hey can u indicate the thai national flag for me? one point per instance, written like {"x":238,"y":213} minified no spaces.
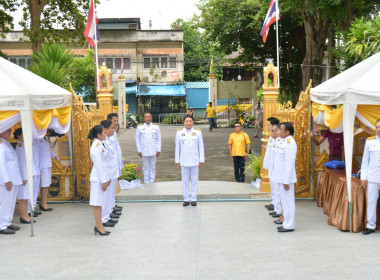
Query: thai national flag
{"x":92,"y":26}
{"x":272,"y":15}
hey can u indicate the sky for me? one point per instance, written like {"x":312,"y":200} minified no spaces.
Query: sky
{"x":161,"y":12}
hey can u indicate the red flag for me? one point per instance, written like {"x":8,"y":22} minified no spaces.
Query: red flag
{"x":91,"y":32}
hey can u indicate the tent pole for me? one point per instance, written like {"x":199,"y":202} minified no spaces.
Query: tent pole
{"x":27,"y":123}
{"x":312,"y":179}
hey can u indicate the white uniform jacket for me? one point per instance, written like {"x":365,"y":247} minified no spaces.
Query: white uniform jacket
{"x":285,"y":162}
{"x":189,"y":149}
{"x":268,"y":152}
{"x":113,"y":159}
{"x":370,"y":169}
{"x":100,"y":169}
{"x":115,"y":143}
{"x":148,"y":139}
{"x":275,"y":145}
{"x":20,"y":151}
{"x":36,"y":157}
{"x":9,"y":168}
{"x":45,"y":154}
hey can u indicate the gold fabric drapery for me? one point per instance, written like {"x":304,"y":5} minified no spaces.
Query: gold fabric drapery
{"x":333,"y":198}
{"x":42,"y":118}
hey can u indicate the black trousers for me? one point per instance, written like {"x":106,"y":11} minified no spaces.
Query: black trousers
{"x":239,"y":164}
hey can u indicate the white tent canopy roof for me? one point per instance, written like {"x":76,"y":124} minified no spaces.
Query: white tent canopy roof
{"x":359,"y":84}
{"x":22,"y":90}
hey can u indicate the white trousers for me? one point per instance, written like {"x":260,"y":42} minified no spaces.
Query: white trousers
{"x":190,"y":174}
{"x":288,"y":205}
{"x":275,"y":197}
{"x":7,"y":205}
{"x":149,"y":169}
{"x":372,"y":197}
{"x":36,"y":188}
{"x":45,"y":178}
{"x":109,"y":201}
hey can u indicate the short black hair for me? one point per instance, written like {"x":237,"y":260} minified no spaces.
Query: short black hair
{"x":210,"y":103}
{"x":106,"y":123}
{"x":188,"y":116}
{"x":111,"y":116}
{"x":273,"y":121}
{"x":237,"y":123}
{"x":288,"y":127}
{"x":17,"y":133}
{"x":377,"y":121}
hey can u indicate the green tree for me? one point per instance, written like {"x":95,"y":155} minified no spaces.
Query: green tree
{"x":236,"y":24}
{"x":363,"y":39}
{"x":198,"y":51}
{"x":47,"y":20}
{"x":53,"y":63}
{"x":6,"y":18}
{"x":82,"y":76}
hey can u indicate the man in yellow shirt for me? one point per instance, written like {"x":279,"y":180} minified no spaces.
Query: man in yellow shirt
{"x":239,"y":146}
{"x":210,"y":115}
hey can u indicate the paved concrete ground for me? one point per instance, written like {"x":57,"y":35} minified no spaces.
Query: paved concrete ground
{"x":218,"y":165}
{"x":215,"y":240}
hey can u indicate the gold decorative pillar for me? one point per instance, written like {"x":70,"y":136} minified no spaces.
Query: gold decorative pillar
{"x":270,"y":96}
{"x":105,"y":92}
{"x":213,"y":90}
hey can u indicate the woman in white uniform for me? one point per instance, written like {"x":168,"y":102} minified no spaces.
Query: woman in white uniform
{"x":10,"y":178}
{"x":45,"y":164}
{"x":108,"y":218}
{"x":23,"y":190}
{"x":99,"y":177}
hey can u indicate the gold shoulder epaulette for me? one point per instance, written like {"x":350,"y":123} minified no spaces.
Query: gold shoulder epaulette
{"x":97,"y":144}
{"x":288,"y":140}
{"x":19,"y":144}
{"x":1,"y":141}
{"x":155,"y":123}
{"x":140,"y":123}
{"x":372,"y":137}
{"x":196,"y":128}
{"x":179,"y":129}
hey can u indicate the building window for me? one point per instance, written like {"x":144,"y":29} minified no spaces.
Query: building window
{"x":132,"y":26}
{"x":109,"y":62}
{"x":117,"y":62}
{"x":13,"y":60}
{"x":146,"y":62}
{"x":156,"y":62}
{"x":127,"y":63}
{"x":100,"y":61}
{"x":21,"y":62}
{"x":164,"y":62}
{"x":173,"y":62}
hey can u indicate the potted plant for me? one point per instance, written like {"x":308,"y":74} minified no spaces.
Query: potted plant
{"x":254,"y":169}
{"x":130,"y":177}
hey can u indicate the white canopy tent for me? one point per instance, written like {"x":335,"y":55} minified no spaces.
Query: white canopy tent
{"x":36,"y":102}
{"x":359,"y":85}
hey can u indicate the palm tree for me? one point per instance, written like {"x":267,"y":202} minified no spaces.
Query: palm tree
{"x":53,"y":63}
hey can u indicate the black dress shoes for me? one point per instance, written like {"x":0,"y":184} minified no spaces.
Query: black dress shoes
{"x":12,"y":227}
{"x":185,"y":203}
{"x":276,"y":215}
{"x":268,"y":205}
{"x":117,"y":208}
{"x":277,"y":222}
{"x":7,"y":231}
{"x":23,"y":221}
{"x":193,"y":203}
{"x":108,"y":224}
{"x":116,"y":212}
{"x":45,"y":209}
{"x":113,"y":216}
{"x":37,"y":212}
{"x":272,"y":213}
{"x":271,"y":208}
{"x":113,"y":221}
{"x":368,"y":231}
{"x":282,"y":229}
{"x":35,"y":215}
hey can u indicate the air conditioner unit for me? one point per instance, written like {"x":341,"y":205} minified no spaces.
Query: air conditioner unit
{"x":146,"y":79}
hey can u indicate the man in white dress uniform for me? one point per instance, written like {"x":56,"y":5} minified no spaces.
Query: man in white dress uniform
{"x":284,"y":174}
{"x":370,"y":177}
{"x":189,"y":156}
{"x":148,"y":144}
{"x":10,"y":178}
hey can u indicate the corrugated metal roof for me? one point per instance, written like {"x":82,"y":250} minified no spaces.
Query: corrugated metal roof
{"x":197,"y":84}
{"x":171,"y":90}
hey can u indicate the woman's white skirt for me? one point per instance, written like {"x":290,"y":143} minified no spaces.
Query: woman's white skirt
{"x":23,"y":192}
{"x":46,"y":178}
{"x":97,"y":195}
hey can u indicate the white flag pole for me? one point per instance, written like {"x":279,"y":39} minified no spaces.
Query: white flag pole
{"x":96,"y":48}
{"x":278,"y":55}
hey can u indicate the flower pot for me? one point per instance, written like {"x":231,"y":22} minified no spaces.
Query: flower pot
{"x":126,"y":185}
